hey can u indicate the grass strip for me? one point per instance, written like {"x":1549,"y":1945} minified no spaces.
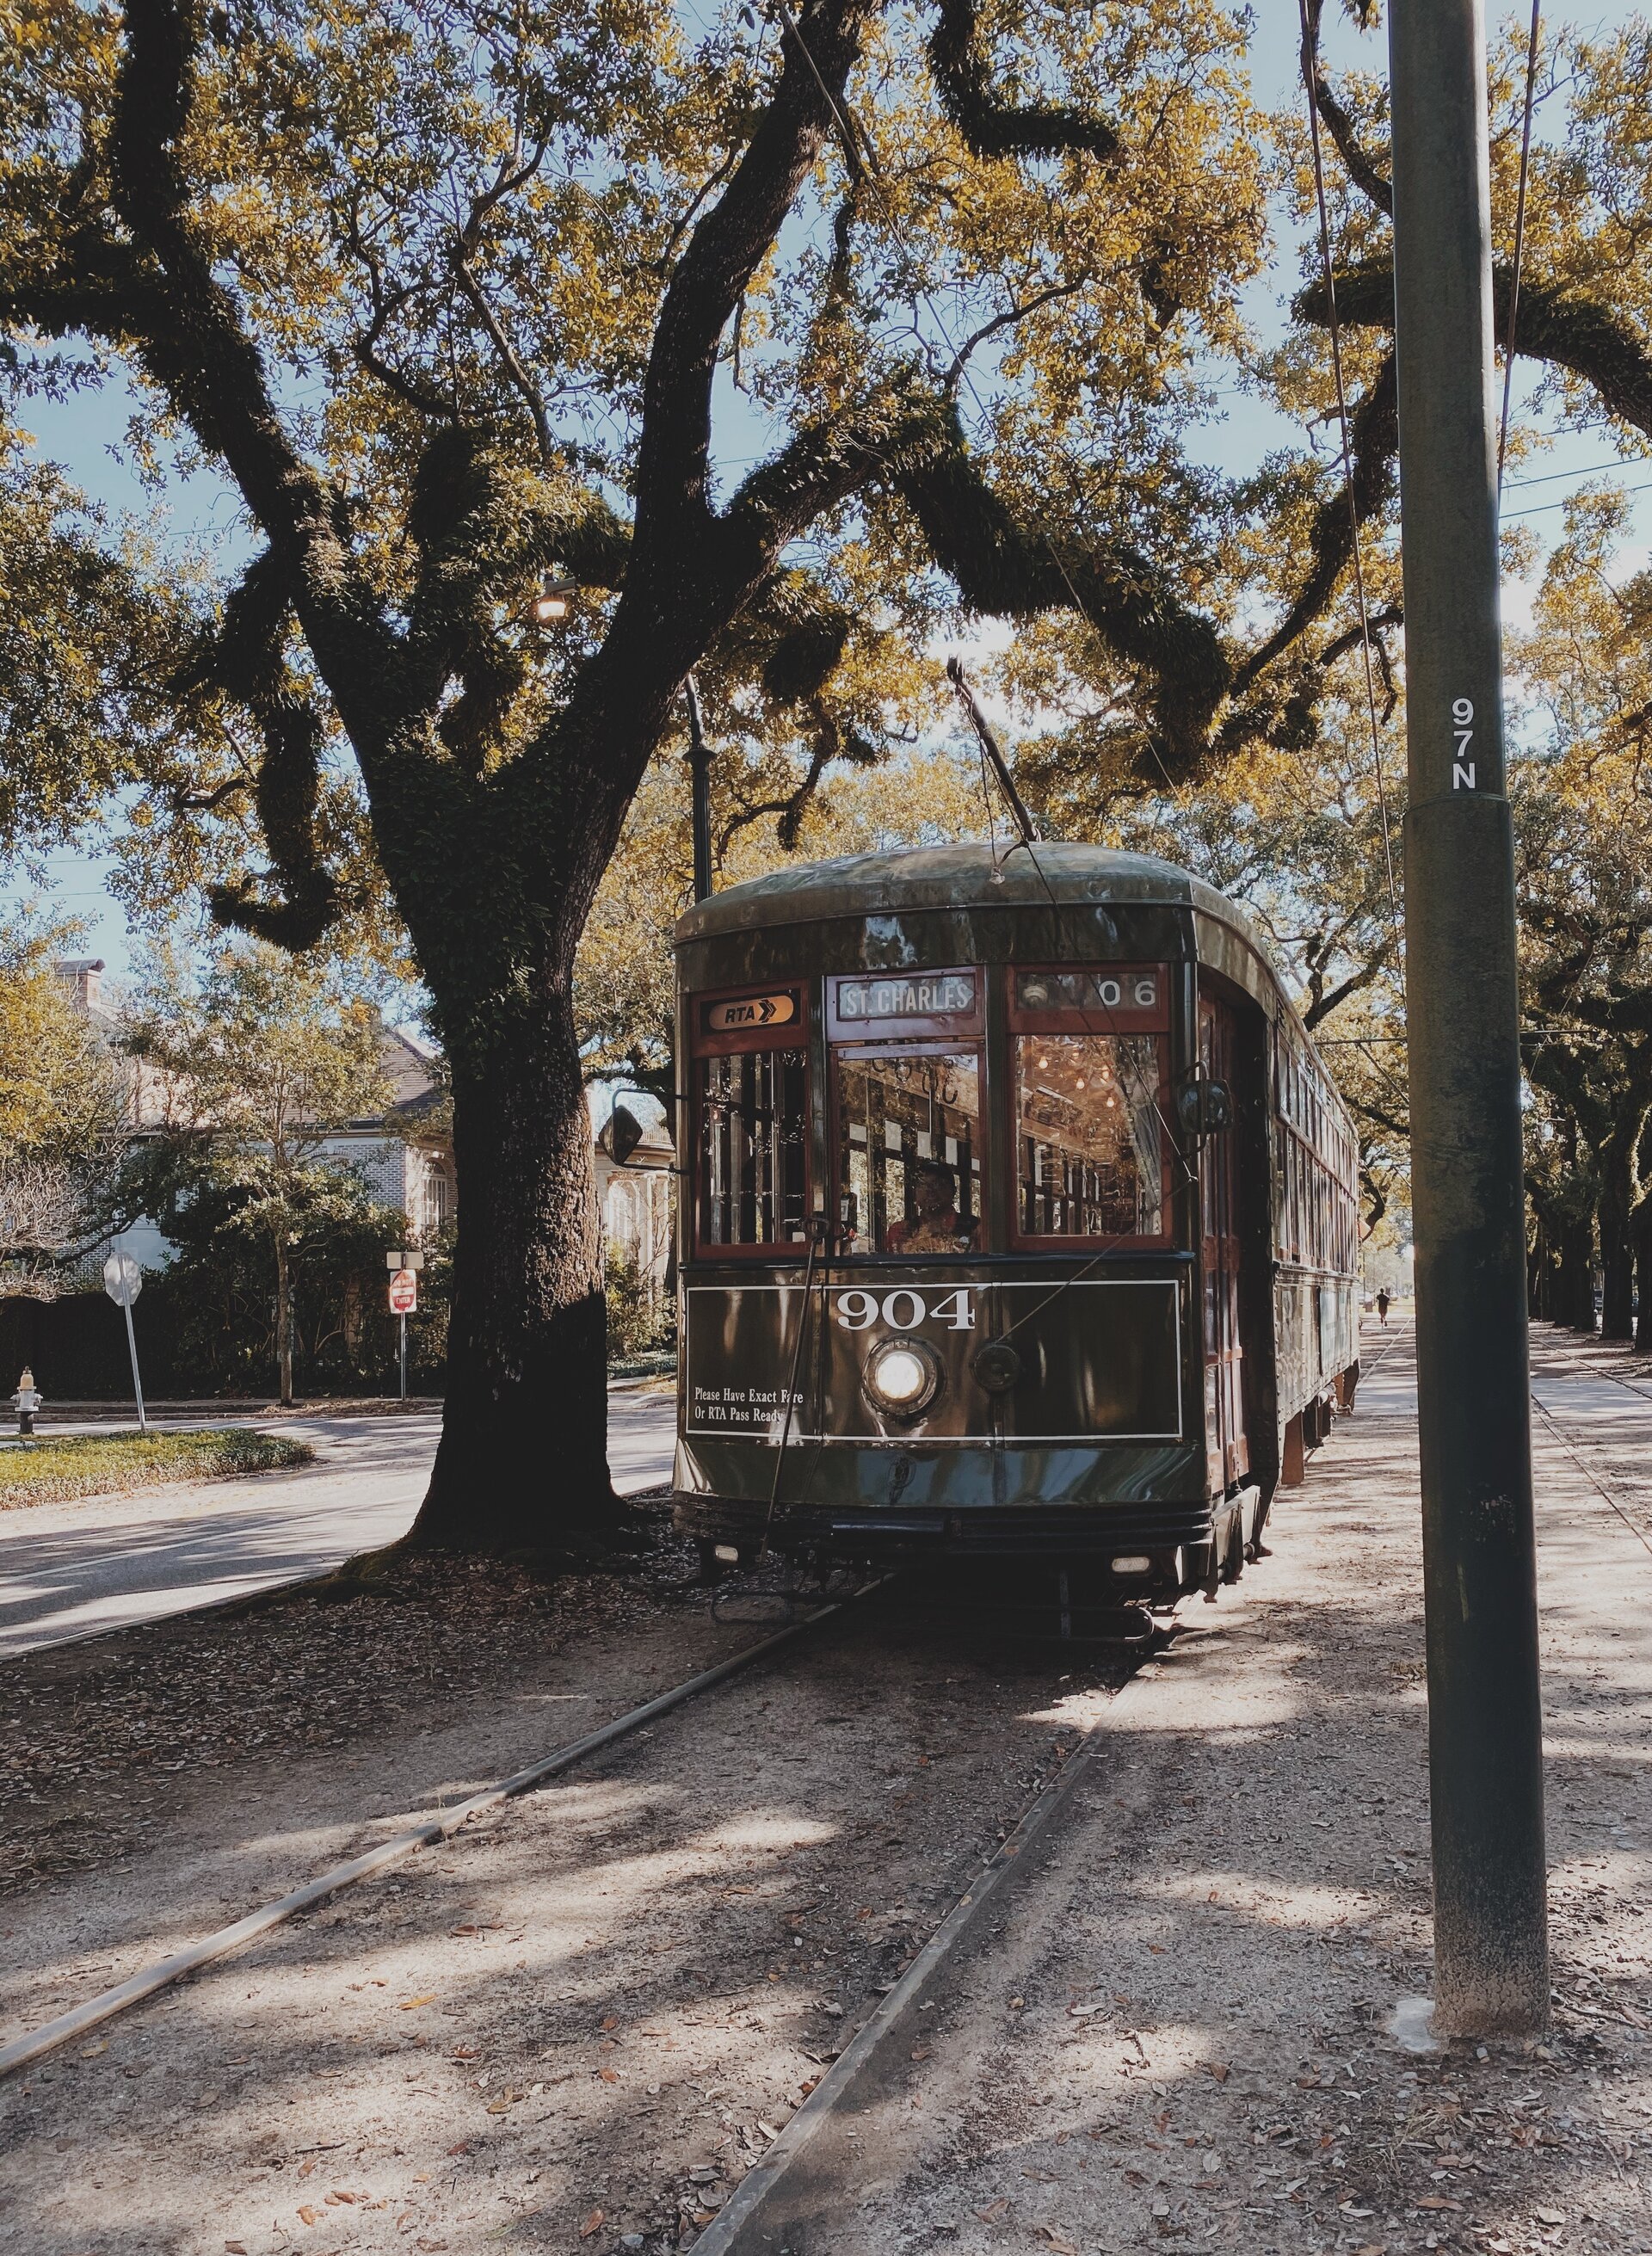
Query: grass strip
{"x":59,"y":1467}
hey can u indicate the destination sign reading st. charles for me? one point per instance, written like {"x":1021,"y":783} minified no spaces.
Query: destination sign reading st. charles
{"x":939,"y":995}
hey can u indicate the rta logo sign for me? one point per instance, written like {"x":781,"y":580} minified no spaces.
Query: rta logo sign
{"x":903,"y":1310}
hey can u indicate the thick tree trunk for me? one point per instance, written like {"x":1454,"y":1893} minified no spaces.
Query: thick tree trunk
{"x":1642,"y":1231}
{"x":522,"y":1467}
{"x":1576,"y":1302}
{"x":1617,"y":1314}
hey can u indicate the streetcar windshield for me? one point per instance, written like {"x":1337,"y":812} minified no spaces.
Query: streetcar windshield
{"x":1089,"y":1153}
{"x":753,"y":1148}
{"x":909,"y":1164}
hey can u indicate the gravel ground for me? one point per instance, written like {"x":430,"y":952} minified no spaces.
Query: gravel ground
{"x":573,"y":2025}
{"x":1180,"y":2037}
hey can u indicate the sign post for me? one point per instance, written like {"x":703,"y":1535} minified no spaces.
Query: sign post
{"x":123,"y":1281}
{"x":1491,"y":1951}
{"x":404,"y":1263}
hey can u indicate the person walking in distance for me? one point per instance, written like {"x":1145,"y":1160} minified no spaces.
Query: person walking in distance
{"x":1382,"y":1310}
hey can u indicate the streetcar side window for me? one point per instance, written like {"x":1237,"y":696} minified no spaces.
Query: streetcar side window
{"x":908,"y":1149}
{"x":1089,"y":1158}
{"x":753,"y":1148}
{"x":750,"y":1089}
{"x":1087,"y":1046}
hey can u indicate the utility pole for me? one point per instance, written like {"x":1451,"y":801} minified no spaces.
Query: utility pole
{"x":1463,"y":1019}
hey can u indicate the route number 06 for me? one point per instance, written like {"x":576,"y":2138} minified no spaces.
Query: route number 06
{"x":903,"y":1308}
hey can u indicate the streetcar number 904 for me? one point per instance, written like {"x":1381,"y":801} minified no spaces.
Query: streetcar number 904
{"x":902,"y":1309}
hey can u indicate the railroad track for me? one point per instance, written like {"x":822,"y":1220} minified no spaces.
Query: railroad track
{"x":870,"y":2041}
{"x":20,"y":2051}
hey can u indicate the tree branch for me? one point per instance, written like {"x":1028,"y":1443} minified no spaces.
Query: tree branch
{"x":201,"y":354}
{"x":1557,"y":324}
{"x":713,"y":274}
{"x":1018,"y":310}
{"x":1362,"y":168}
{"x":1011,"y":571}
{"x":998,"y":129}
{"x":1374,"y":440}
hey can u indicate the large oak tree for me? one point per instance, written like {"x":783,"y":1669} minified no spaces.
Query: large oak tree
{"x":446,"y":290}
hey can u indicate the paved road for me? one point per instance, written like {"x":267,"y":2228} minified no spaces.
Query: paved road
{"x":73,"y":1570}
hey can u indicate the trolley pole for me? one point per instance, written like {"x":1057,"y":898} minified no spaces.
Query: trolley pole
{"x":1462,"y":1008}
{"x":699,"y":774}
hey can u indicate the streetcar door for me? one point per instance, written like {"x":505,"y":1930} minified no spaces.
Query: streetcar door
{"x":1229,"y":1452}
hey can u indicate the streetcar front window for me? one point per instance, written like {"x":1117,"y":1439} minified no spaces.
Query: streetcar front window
{"x":753,"y":1148}
{"x":909,"y":1150}
{"x":1089,"y":1146}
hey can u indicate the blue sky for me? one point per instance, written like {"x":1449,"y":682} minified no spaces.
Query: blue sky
{"x":86,"y":434}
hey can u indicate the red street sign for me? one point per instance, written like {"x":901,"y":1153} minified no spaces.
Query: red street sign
{"x":403,"y":1292}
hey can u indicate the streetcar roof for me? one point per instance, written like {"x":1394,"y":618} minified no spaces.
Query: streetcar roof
{"x":958,"y":876}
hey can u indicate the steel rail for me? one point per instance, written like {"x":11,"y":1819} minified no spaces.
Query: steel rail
{"x":736,"y":2229}
{"x":19,"y":2051}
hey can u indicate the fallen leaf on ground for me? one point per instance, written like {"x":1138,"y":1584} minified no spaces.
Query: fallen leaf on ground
{"x":1549,"y":2216}
{"x":464,"y":2052}
{"x":593,"y":2224}
{"x":922,"y":2052}
{"x":609,"y":2075}
{"x":235,"y":2248}
{"x":90,"y":2052}
{"x":1218,"y":2069}
{"x":609,"y":2021}
{"x":1058,"y":2241}
{"x":993,"y":2210}
{"x":408,"y":2005}
{"x":1438,"y":2201}
{"x":307,"y":2215}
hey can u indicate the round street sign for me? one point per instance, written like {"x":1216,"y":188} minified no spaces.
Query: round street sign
{"x":123,"y":1279}
{"x":403,"y":1292}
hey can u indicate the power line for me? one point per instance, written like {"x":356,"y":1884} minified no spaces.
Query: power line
{"x":1541,"y":508}
{"x":1347,"y":469}
{"x":1520,"y":236}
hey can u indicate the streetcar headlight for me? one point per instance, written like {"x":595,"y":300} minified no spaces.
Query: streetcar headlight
{"x":901,"y":1376}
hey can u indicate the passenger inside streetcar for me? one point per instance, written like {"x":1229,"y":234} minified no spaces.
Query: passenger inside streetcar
{"x":937,"y":1227}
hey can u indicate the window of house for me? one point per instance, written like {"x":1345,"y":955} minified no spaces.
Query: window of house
{"x":751,"y":1092}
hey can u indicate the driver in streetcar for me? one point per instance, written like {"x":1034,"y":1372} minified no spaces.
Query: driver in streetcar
{"x":938,"y":1227}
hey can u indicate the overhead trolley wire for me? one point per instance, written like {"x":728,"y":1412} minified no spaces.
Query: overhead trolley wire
{"x":860,"y":157}
{"x":1308,"y":53}
{"x":1519,"y":238}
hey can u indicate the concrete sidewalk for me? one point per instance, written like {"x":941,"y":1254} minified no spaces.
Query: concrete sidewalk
{"x":104,"y":1562}
{"x":1177,"y":2034}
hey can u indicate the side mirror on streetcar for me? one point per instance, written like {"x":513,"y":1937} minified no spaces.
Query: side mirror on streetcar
{"x":620,"y":1134}
{"x":1205,"y":1108}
